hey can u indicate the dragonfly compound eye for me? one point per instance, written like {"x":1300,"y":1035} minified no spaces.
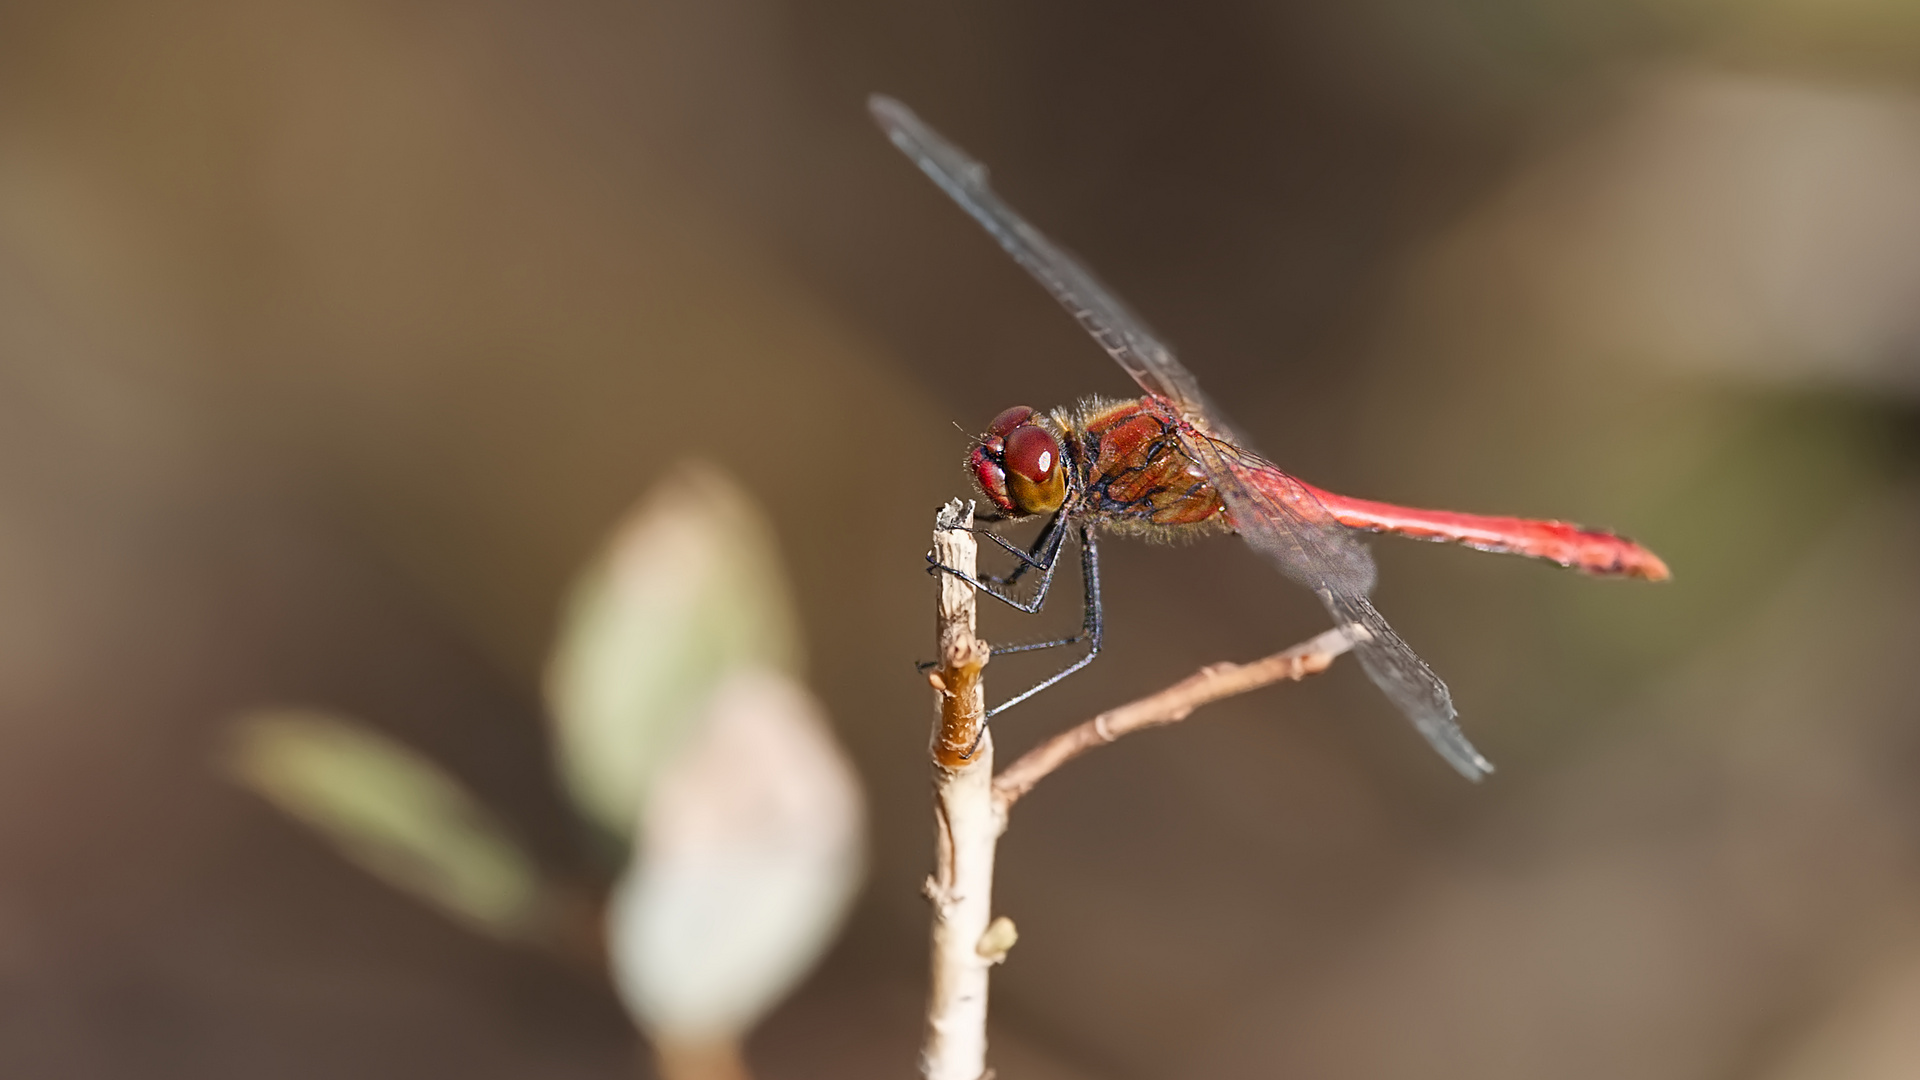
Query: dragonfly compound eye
{"x":1036,"y":477}
{"x":1007,"y":421}
{"x":1018,"y":464}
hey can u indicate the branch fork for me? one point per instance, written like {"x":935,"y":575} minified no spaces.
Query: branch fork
{"x":971,"y":804}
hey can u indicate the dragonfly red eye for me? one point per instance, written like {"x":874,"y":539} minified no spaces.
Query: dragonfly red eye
{"x":1032,"y":453}
{"x":1036,"y":477}
{"x":1009,"y":420}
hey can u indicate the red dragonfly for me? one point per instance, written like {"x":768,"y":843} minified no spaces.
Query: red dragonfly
{"x":1168,"y":462}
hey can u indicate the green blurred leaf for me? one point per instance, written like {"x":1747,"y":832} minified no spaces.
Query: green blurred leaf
{"x":750,"y":852}
{"x":392,"y":811}
{"x":688,"y":589}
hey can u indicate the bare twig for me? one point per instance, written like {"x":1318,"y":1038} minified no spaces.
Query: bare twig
{"x":962,"y":655}
{"x":1175,"y":703}
{"x":968,"y":823}
{"x":971,"y":804}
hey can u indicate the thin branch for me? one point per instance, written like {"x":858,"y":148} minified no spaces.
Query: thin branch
{"x":1175,"y":703}
{"x":971,"y":804}
{"x":963,"y":705}
{"x":967,"y":824}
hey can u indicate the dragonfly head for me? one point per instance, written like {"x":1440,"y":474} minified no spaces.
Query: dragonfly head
{"x":1019,"y":464}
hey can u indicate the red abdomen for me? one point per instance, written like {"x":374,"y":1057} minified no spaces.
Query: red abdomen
{"x":1594,"y":551}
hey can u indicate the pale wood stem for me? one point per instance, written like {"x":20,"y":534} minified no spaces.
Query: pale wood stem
{"x":971,"y":805}
{"x":967,"y":822}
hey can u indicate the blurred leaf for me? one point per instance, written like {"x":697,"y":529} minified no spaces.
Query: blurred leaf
{"x":392,"y":811}
{"x":688,"y":589}
{"x":750,"y":852}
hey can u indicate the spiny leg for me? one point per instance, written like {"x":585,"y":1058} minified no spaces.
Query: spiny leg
{"x":1092,"y":625}
{"x":1045,"y":549}
{"x":1038,"y":556}
{"x":1043,"y":556}
{"x":1046,"y":556}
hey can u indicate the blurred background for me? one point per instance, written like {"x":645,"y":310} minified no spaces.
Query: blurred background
{"x":335,"y":337}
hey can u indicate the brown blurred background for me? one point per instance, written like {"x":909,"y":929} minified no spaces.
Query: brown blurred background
{"x":333,"y":336}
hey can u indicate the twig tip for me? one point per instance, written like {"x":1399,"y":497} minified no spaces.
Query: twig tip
{"x":954,"y":515}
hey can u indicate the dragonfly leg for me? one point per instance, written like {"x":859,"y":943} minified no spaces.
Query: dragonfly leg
{"x":1036,"y":646}
{"x":1045,"y":555}
{"x":1092,"y":626}
{"x":1025,"y":646}
{"x":1039,"y":556}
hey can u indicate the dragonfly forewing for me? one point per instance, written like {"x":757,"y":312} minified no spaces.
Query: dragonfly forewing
{"x":1276,"y":514}
{"x":1280,"y":518}
{"x":1098,"y":309}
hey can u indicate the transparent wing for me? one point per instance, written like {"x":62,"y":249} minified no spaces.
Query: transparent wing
{"x":1281,"y":519}
{"x":1274,"y":513}
{"x":1118,"y":330}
